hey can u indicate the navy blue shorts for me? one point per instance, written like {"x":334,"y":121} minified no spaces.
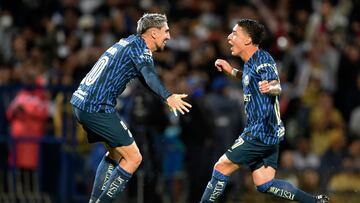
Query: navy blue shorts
{"x":104,"y":127}
{"x":253,"y":153}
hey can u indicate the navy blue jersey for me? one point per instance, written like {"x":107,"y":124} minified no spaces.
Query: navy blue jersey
{"x":262,"y":110}
{"x":118,"y":66}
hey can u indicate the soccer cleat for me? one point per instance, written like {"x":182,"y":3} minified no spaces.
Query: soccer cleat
{"x":322,"y":199}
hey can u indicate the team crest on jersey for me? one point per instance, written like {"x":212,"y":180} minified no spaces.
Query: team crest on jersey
{"x":246,"y":80}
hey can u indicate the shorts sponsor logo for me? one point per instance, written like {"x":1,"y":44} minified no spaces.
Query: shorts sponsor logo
{"x":130,"y":134}
{"x":123,"y":125}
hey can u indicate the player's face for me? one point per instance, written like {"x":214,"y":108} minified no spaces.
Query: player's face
{"x":163,"y":35}
{"x":238,"y":39}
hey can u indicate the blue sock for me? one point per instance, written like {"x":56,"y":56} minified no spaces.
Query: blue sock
{"x":285,"y":190}
{"x":103,"y":173}
{"x":215,"y":187}
{"x":116,"y":184}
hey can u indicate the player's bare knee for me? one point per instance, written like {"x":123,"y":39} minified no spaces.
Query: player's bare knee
{"x":135,"y":159}
{"x":138,"y":159}
{"x":219,"y":166}
{"x":263,"y":175}
{"x":222,"y":164}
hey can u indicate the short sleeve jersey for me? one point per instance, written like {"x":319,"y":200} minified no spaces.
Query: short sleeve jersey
{"x":262,"y":110}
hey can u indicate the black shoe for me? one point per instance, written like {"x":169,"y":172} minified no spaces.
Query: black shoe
{"x":322,"y":199}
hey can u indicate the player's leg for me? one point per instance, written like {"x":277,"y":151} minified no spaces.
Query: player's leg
{"x":103,"y":173}
{"x":104,"y":170}
{"x":220,"y":176}
{"x":130,"y":157}
{"x":227,"y":164}
{"x":130,"y":161}
{"x":123,"y":158}
{"x":264,"y":179}
{"x":265,"y":182}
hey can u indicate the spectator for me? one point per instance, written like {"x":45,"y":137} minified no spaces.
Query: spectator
{"x":332,"y":159}
{"x":303,"y":157}
{"x":28,"y":114}
{"x":354,"y":122}
{"x":325,"y":120}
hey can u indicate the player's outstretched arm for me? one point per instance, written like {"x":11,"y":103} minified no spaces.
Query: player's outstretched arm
{"x":224,"y":66}
{"x":273,"y":87}
{"x":176,"y":103}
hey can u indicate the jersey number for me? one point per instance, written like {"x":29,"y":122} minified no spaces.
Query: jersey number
{"x":99,"y":66}
{"x":96,"y":70}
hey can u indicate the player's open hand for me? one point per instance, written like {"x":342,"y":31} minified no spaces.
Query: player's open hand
{"x":223,"y":65}
{"x":176,"y":103}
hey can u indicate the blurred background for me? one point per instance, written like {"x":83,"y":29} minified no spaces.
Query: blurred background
{"x":47,"y":47}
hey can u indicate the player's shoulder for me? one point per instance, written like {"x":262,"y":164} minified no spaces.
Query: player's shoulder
{"x":264,"y":60}
{"x":265,"y":57}
{"x":134,"y":41}
{"x":137,"y":45}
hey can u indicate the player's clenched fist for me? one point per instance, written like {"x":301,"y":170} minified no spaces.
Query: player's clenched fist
{"x":264,"y":86}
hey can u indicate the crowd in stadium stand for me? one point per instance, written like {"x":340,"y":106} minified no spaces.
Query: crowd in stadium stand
{"x":50,"y":45}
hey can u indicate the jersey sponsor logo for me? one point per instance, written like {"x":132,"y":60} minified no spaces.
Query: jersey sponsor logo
{"x":247,"y":97}
{"x":246,"y":80}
